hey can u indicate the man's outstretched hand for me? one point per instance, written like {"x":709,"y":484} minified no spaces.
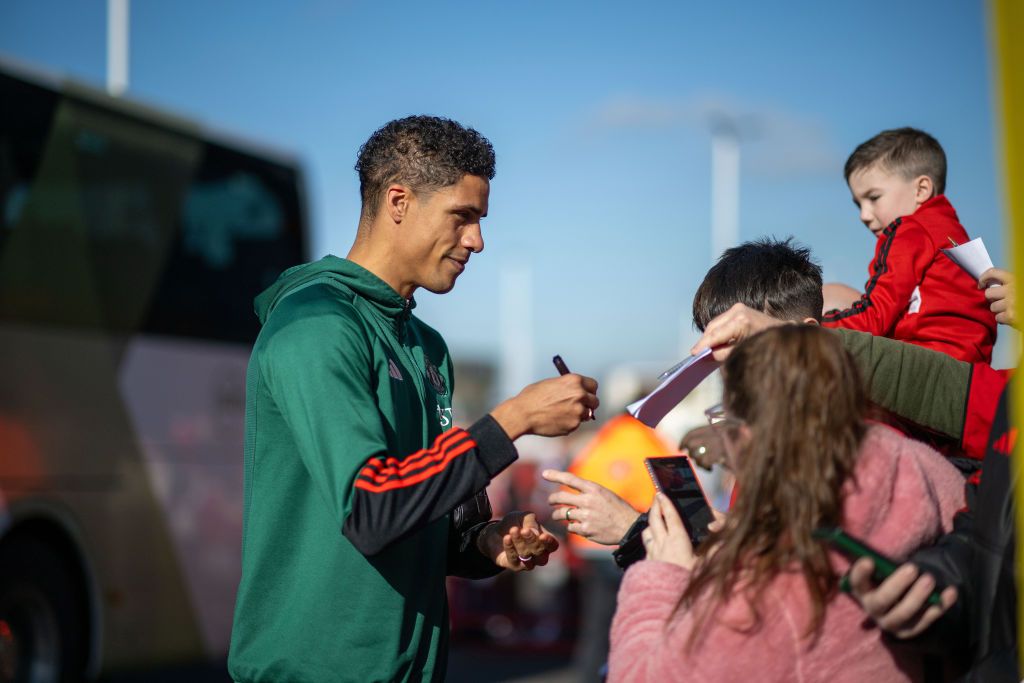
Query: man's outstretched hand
{"x":517,"y":542}
{"x":551,"y":407}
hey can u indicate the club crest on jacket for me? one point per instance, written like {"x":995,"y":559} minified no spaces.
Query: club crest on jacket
{"x":435,"y":379}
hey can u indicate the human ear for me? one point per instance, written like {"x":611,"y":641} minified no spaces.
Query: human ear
{"x":811,"y":321}
{"x":924,"y":189}
{"x":397,"y":199}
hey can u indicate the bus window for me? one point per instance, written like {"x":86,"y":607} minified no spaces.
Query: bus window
{"x":119,"y":225}
{"x":90,"y":242}
{"x":24,"y":130}
{"x":240,"y":227}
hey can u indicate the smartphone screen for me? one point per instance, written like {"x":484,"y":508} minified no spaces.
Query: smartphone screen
{"x":674,"y":476}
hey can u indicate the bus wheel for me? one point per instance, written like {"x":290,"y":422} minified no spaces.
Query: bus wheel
{"x":43,"y":625}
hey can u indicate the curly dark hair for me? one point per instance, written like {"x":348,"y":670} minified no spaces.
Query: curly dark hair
{"x":907,"y":151}
{"x":778,"y":277}
{"x":423,"y":152}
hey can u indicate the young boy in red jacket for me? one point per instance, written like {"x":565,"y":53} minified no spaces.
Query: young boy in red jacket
{"x":914,"y":293}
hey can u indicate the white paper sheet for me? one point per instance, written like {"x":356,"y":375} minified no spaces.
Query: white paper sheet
{"x":971,"y":256}
{"x":674,"y":388}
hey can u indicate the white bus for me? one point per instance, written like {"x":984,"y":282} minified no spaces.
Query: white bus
{"x":132,"y":243}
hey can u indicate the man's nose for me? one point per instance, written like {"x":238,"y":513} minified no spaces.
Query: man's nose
{"x":473,"y":238}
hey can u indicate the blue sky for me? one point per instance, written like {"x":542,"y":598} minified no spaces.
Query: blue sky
{"x":597,"y":112}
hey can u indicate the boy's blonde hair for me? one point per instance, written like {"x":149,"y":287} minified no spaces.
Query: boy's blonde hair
{"x":907,"y":151}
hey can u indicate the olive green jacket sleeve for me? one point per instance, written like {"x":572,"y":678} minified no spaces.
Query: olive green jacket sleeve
{"x":927,"y":387}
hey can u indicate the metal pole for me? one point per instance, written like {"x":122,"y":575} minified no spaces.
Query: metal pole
{"x":117,"y":47}
{"x":516,"y":325}
{"x":725,"y":189}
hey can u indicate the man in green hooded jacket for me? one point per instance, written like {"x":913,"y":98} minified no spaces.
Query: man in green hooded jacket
{"x":353,"y":465}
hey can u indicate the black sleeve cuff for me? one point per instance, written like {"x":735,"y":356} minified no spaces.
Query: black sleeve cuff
{"x":631,"y":547}
{"x":465,"y":560}
{"x":496,"y":450}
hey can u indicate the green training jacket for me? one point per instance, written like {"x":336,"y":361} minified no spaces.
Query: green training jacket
{"x":352,"y":468}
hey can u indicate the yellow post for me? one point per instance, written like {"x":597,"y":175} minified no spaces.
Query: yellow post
{"x":1007,"y":21}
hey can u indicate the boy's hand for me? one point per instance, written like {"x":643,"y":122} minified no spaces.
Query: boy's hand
{"x":1001,"y":291}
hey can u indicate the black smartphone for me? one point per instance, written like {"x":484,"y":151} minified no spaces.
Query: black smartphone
{"x":854,"y":549}
{"x":674,"y":476}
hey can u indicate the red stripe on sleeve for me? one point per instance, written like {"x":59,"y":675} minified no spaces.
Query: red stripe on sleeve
{"x":397,"y":483}
{"x":391,"y":472}
{"x":443,"y":441}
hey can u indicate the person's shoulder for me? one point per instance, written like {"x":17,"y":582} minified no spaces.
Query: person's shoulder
{"x":885,"y":444}
{"x":319,"y":314}
{"x":317,"y":303}
{"x":882,"y":453}
{"x":938,"y":220}
{"x":317,"y":296}
{"x":900,"y":490}
{"x":913,"y":230}
{"x":429,"y":335}
{"x":425,"y":329}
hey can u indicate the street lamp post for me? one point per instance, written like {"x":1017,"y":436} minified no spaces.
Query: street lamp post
{"x":117,"y":47}
{"x":725,"y":185}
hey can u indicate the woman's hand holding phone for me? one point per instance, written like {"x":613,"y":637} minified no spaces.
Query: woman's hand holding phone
{"x":665,"y":537}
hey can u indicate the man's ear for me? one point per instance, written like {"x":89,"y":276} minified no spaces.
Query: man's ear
{"x":811,"y":321}
{"x":924,"y":189}
{"x":397,"y":200}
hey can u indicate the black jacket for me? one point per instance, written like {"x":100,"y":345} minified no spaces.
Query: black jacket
{"x":980,"y":629}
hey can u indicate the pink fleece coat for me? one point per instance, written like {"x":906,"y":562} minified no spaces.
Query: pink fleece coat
{"x":903,"y":496}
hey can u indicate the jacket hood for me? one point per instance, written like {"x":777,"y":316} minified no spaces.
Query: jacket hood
{"x":338,"y":272}
{"x":903,"y":494}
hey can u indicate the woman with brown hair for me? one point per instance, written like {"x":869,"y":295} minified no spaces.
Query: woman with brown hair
{"x":759,"y":599}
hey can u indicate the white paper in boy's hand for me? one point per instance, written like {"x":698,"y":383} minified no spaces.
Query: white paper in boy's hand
{"x":971,"y":256}
{"x":680,"y":382}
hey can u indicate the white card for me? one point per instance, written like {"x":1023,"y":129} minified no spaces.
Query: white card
{"x":971,"y":256}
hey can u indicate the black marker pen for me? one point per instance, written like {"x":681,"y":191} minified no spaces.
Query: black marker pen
{"x":563,"y":369}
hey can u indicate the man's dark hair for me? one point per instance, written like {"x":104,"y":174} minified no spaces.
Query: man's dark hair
{"x":776,"y":277}
{"x":423,"y":152}
{"x":907,"y":151}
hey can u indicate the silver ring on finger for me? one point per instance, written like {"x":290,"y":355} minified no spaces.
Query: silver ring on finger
{"x":568,"y":511}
